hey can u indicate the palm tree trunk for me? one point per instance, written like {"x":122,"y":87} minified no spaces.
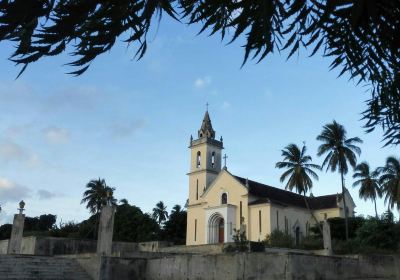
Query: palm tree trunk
{"x":312,"y":214}
{"x":344,"y":205}
{"x":376,"y":212}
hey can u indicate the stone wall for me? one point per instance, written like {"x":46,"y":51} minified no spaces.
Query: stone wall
{"x":49,"y":246}
{"x":266,"y":266}
{"x":194,"y":249}
{"x":3,"y":246}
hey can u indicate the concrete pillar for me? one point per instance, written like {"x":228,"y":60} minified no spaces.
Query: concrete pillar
{"x":326,"y":230}
{"x":105,"y":234}
{"x":14,"y":244}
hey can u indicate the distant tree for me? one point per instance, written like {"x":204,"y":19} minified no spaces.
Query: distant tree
{"x":68,"y":230}
{"x":299,"y":171}
{"x":368,"y":182}
{"x":123,"y":201}
{"x":340,"y":151}
{"x":132,"y":225}
{"x":46,"y":222}
{"x":5,"y":231}
{"x":359,"y":37}
{"x":160,"y":213}
{"x":98,"y":194}
{"x":175,"y":227}
{"x":390,"y":181}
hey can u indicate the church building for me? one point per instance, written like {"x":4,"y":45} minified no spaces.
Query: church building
{"x":220,"y":202}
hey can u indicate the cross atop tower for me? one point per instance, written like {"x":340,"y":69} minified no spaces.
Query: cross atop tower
{"x":207,"y":106}
{"x":225,"y":157}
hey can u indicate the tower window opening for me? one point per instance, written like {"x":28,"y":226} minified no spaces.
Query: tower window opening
{"x":213,"y":159}
{"x":224,"y":198}
{"x":198,"y":160}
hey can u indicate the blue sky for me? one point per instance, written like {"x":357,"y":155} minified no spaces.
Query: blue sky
{"x":130,"y":122}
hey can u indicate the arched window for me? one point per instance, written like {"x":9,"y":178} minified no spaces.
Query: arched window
{"x":198,"y":160}
{"x":224,"y":198}
{"x":213,"y":159}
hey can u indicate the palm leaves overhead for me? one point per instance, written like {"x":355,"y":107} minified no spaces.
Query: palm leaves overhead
{"x":368,"y":182}
{"x":160,"y":213}
{"x":98,"y":194}
{"x":300,"y":170}
{"x":361,"y":38}
{"x":339,"y":152}
{"x":390,"y":181}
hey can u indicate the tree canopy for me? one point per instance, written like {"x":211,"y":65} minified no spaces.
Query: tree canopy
{"x":361,"y":37}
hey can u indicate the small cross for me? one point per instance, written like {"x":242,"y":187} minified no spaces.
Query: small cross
{"x":207,"y":106}
{"x":225,"y":157}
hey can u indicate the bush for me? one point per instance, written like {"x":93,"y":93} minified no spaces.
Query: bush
{"x":341,"y":247}
{"x":311,"y":243}
{"x":380,"y":234}
{"x":240,"y":240}
{"x":278,"y":238}
{"x":257,"y":246}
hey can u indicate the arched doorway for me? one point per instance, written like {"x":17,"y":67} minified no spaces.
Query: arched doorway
{"x":221,"y":231}
{"x":216,"y":229}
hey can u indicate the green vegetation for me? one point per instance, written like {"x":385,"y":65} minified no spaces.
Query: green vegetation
{"x":278,"y":239}
{"x":340,"y":151}
{"x":299,"y":171}
{"x":368,"y":182}
{"x":98,"y":194}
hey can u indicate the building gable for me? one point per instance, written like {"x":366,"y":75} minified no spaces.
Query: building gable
{"x":224,"y":183}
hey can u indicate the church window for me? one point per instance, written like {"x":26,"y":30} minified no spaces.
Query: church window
{"x":259,"y":221}
{"x":241,"y":215}
{"x":286,"y":225}
{"x":307,"y":228}
{"x":198,"y":160}
{"x":195,"y":229}
{"x":277,"y":219}
{"x":213,"y":159}
{"x":197,"y":189}
{"x":224,"y":198}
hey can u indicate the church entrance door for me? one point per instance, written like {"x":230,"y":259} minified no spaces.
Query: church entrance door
{"x":221,"y":231}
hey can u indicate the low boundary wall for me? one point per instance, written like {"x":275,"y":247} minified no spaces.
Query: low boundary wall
{"x":289,"y":266}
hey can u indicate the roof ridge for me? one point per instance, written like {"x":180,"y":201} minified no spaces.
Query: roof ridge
{"x":284,"y":190}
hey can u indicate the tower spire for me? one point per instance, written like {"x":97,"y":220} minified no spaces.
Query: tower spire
{"x":206,"y":129}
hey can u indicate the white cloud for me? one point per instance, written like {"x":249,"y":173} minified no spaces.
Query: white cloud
{"x":74,"y":98}
{"x":202,"y":82}
{"x":13,"y":152}
{"x":12,"y":192}
{"x":226,"y":105}
{"x":45,"y":194}
{"x":56,"y":135}
{"x":126,"y":129}
{"x":17,"y":130}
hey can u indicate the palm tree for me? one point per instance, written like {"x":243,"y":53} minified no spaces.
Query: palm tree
{"x":340,"y":151}
{"x":390,"y":181}
{"x":368,"y":182}
{"x":176,"y":209}
{"x":299,"y":173}
{"x":123,"y":201}
{"x":98,"y":194}
{"x":160,"y":213}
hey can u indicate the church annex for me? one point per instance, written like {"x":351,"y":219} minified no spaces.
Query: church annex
{"x":220,"y":202}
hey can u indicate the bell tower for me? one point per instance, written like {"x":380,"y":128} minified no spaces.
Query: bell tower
{"x":205,"y":163}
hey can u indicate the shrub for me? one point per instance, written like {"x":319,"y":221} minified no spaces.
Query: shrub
{"x":240,"y":240}
{"x":311,"y":243}
{"x":278,"y":238}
